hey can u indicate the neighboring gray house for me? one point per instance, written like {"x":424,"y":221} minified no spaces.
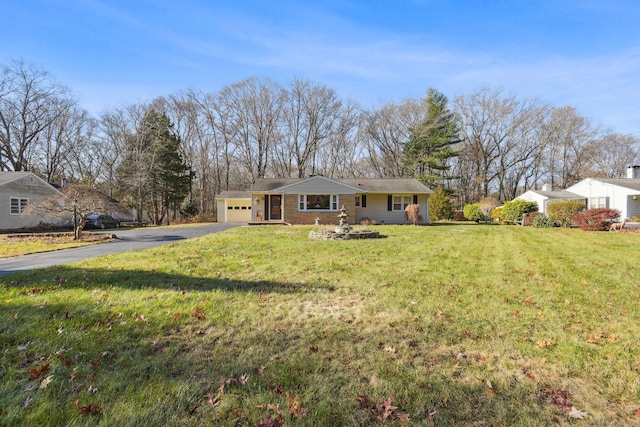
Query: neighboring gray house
{"x":17,"y":190}
{"x":302,"y":200}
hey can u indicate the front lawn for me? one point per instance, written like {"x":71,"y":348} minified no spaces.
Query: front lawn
{"x":23,"y":244}
{"x":260,"y":326}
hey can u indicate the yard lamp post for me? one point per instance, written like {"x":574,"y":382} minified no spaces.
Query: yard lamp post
{"x":75,"y":220}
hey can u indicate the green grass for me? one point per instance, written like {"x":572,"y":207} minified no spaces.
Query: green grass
{"x":429,"y":316}
{"x":16,"y":244}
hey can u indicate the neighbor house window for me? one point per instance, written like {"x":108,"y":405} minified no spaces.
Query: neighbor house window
{"x":598,"y":202}
{"x":401,"y":202}
{"x":18,"y":205}
{"x":357,"y":201}
{"x":318,"y":202}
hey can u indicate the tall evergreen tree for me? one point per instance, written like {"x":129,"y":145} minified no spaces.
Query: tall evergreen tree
{"x":172,"y":177}
{"x":432,"y":142}
{"x":154,"y":169}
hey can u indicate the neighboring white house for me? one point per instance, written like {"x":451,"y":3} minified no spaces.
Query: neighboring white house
{"x":622,"y":194}
{"x":545,"y":196}
{"x":17,"y":190}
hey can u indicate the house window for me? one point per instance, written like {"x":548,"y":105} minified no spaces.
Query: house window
{"x":18,"y":205}
{"x":401,"y":202}
{"x":598,"y":202}
{"x":357,"y":201}
{"x":318,"y":202}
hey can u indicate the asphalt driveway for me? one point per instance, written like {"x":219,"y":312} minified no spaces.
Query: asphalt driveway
{"x":128,"y":240}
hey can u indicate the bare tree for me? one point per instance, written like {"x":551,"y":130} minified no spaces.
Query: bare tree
{"x":568,"y":141}
{"x":615,"y":153}
{"x":255,"y":106}
{"x":80,"y":201}
{"x":339,"y":157}
{"x":385,"y":132}
{"x":498,"y":145}
{"x":30,"y":103}
{"x":310,"y":112}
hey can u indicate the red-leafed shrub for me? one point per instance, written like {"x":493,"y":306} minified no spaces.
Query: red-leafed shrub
{"x":599,"y":219}
{"x":459,"y":216}
{"x":528,"y":218}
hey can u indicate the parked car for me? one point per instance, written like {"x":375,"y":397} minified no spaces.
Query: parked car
{"x":101,"y":221}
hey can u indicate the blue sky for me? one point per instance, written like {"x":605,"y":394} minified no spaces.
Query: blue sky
{"x":582,"y":53}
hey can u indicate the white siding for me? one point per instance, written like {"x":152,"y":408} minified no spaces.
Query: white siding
{"x":530,"y":196}
{"x":617,"y":197}
{"x":377,"y":210}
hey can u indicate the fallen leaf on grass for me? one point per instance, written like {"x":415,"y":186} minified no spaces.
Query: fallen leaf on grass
{"x":46,"y":381}
{"x":546,"y":343}
{"x":382,"y":411}
{"x":295,"y":410}
{"x":88,"y":409}
{"x":577,"y":413}
{"x":37,"y":372}
{"x":96,"y":364}
{"x":198,"y":314}
{"x":269,"y":422}
{"x":490,"y":388}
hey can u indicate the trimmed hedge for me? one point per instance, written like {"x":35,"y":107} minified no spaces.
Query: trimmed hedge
{"x":563,"y":211}
{"x":515,"y":209}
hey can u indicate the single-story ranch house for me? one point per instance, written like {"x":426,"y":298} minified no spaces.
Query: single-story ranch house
{"x":303,"y":200}
{"x":622,"y":194}
{"x":17,"y":190}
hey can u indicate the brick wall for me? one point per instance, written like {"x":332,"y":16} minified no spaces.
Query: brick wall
{"x":293,"y":216}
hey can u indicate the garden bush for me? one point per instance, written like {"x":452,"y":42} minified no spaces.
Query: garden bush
{"x":440,"y":205}
{"x":543,"y":221}
{"x":527,"y":220}
{"x":562,"y":211}
{"x":599,"y":219}
{"x":472,"y":212}
{"x":515,"y":209}
{"x":486,"y":207}
{"x":459,"y":216}
{"x":496,"y":214}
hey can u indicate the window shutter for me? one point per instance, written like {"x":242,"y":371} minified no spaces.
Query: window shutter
{"x":363,"y":200}
{"x":415,"y":199}
{"x":389,"y":202}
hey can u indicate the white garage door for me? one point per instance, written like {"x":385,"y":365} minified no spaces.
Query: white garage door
{"x":238,"y":211}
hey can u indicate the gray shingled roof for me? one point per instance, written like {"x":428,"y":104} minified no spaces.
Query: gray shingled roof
{"x":228,"y":194}
{"x":558,"y":194}
{"x":269,"y":184}
{"x":386,"y":185}
{"x":371,"y":185}
{"x":630,"y":183}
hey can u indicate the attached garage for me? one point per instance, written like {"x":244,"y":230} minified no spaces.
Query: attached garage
{"x":234,"y":206}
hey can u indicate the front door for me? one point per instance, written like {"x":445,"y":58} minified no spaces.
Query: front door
{"x":275,"y":207}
